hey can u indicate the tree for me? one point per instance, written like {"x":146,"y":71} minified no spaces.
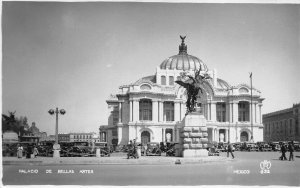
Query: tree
{"x":9,"y":122}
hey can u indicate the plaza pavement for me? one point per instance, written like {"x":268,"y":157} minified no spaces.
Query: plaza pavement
{"x":116,"y":158}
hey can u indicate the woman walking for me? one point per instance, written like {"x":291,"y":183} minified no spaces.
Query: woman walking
{"x":20,"y":151}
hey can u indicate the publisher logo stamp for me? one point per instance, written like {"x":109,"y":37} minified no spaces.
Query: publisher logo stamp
{"x":265,"y":167}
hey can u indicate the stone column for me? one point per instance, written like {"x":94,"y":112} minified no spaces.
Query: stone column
{"x":213,"y":112}
{"x":177,"y":111}
{"x":204,"y":109}
{"x":173,"y":135}
{"x":213,"y":134}
{"x":259,"y":113}
{"x":208,"y":111}
{"x":120,"y":112}
{"x":135,"y":110}
{"x":228,"y":112}
{"x":119,"y":135}
{"x":161,"y":111}
{"x":217,"y":135}
{"x":235,"y":112}
{"x":183,"y":110}
{"x":163,"y":134}
{"x":130,"y":110}
{"x":226,"y":135}
{"x":154,"y":110}
{"x":177,"y":135}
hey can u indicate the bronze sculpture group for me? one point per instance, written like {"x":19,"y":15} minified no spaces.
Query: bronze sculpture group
{"x":192,"y":85}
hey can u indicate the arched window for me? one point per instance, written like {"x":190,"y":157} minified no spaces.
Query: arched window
{"x":169,"y":111}
{"x":244,"y":136}
{"x":171,"y":80}
{"x":145,"y":137}
{"x":221,"y":112}
{"x":145,"y":109}
{"x":163,"y":80}
{"x":243,"y":90}
{"x":145,"y":87}
{"x":244,"y":111}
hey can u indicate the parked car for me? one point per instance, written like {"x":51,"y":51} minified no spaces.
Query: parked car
{"x":170,"y":151}
{"x":252,"y":147}
{"x":267,"y":147}
{"x":297,"y":146}
{"x":275,"y":146}
{"x":237,"y":146}
{"x":153,"y":149}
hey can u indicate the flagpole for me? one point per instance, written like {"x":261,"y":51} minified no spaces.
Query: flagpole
{"x":251,"y":108}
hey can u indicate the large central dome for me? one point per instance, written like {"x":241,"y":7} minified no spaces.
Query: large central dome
{"x":183,"y":61}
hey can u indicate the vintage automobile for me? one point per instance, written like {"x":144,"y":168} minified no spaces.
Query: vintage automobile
{"x":213,"y":152}
{"x":296,"y":146}
{"x":275,"y":146}
{"x":267,"y":147}
{"x":153,"y":149}
{"x":237,"y":146}
{"x":224,"y":146}
{"x":105,"y":151}
{"x":252,"y":147}
{"x":170,"y":149}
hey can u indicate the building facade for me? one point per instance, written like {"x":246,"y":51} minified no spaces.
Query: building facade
{"x":84,"y":137}
{"x":63,"y":138}
{"x":150,"y":109}
{"x":282,"y":125}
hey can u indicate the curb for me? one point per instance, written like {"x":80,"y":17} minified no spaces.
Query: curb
{"x":170,"y":161}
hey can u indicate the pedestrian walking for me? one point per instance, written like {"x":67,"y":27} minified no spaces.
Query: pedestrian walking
{"x":35,"y":151}
{"x":283,"y":150}
{"x":20,"y":151}
{"x":130,"y":148}
{"x":291,"y":150}
{"x":28,"y":152}
{"x":229,"y":150}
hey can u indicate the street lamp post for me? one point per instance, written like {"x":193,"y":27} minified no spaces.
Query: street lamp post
{"x":56,"y":146}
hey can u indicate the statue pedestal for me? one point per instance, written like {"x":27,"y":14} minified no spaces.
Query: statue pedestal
{"x":193,"y":136}
{"x":56,"y":153}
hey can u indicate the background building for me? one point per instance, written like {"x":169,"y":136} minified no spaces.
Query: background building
{"x":64,"y":138}
{"x":282,"y":125}
{"x":149,"y":109}
{"x":87,"y":137}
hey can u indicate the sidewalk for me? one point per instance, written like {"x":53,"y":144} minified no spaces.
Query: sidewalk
{"x":119,"y":159}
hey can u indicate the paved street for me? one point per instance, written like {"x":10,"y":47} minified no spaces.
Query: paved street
{"x":243,"y":170}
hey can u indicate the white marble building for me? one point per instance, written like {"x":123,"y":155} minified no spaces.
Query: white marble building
{"x":149,"y":109}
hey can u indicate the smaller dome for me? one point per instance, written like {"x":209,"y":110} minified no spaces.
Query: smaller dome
{"x":183,"y":61}
{"x":222,"y":84}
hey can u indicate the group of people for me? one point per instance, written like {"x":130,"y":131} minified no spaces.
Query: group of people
{"x":290,"y":149}
{"x":29,"y":151}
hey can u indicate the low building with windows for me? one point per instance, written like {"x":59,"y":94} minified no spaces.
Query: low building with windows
{"x":84,"y":137}
{"x":150,"y":109}
{"x":63,"y":137}
{"x":282,"y":125}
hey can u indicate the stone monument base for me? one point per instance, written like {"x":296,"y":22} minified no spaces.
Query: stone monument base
{"x":194,"y":153}
{"x":193,"y":136}
{"x":56,"y":153}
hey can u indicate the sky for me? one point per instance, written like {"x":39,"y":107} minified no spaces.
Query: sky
{"x":73,"y":55}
